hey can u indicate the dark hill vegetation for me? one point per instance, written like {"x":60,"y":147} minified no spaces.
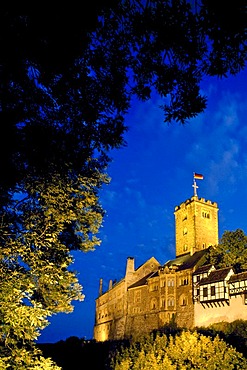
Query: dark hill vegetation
{"x":76,"y":353}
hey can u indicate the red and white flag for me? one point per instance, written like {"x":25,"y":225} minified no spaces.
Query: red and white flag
{"x":198,"y":176}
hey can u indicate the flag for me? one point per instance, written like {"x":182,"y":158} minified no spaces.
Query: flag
{"x":198,"y":176}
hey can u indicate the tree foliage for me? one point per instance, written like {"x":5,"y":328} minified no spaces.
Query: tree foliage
{"x":233,"y":333}
{"x":231,"y":251}
{"x":188,"y":350}
{"x":67,"y":78}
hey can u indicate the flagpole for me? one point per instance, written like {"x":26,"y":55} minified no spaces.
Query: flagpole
{"x":194,"y":185}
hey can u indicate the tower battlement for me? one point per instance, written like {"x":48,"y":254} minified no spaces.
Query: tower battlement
{"x":201,"y":200}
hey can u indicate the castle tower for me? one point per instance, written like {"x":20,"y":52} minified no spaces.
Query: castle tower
{"x":196,"y":225}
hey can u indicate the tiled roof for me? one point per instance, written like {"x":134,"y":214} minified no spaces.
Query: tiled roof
{"x":238,"y":277}
{"x":202,"y":269}
{"x":186,"y":261}
{"x":217,"y":275}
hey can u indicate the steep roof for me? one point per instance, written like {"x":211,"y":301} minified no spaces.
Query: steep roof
{"x":215,"y":276}
{"x":186,"y":261}
{"x":182,"y":263}
{"x":238,"y":277}
{"x":142,"y":281}
{"x":202,"y":269}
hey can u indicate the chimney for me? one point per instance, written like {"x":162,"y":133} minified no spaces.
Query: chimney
{"x":110,"y":284}
{"x":130,"y":267}
{"x":100,"y":287}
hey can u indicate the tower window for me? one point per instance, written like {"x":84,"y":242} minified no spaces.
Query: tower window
{"x":205,"y":214}
{"x":185,"y":247}
{"x":185,"y":231}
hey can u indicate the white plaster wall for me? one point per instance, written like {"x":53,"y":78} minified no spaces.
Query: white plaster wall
{"x":237,"y":310}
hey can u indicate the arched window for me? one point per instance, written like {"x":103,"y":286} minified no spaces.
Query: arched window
{"x":170,"y":282}
{"x":153,"y":304}
{"x":183,"y":300}
{"x":163,"y":303}
{"x":171,"y":302}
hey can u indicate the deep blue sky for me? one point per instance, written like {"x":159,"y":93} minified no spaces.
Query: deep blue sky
{"x":151,"y":176}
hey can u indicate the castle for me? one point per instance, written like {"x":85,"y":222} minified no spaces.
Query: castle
{"x":183,"y":290}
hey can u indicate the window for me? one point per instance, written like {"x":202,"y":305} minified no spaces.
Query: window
{"x":212,"y":290}
{"x":198,"y":278}
{"x":185,"y":247}
{"x":170,"y":302}
{"x":183,"y":300}
{"x":154,"y":287}
{"x":185,"y":231}
{"x":184,"y":281}
{"x":163,"y":303}
{"x":205,"y":214}
{"x":205,"y":292}
{"x":153,"y":304}
{"x":170,"y":282}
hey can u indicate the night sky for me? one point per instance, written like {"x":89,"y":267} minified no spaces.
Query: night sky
{"x":150,"y":177}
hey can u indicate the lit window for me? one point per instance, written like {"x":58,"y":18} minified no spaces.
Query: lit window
{"x":170,"y":282}
{"x":170,"y":302}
